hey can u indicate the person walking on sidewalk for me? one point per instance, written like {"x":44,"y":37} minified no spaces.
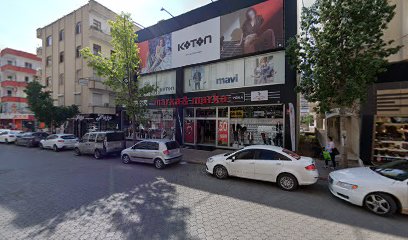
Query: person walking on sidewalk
{"x":331,"y":148}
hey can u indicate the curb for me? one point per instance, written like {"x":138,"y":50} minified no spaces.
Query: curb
{"x":194,"y":162}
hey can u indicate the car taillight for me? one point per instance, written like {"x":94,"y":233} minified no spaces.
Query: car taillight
{"x":311,"y":167}
{"x":166,"y":152}
{"x":61,"y":141}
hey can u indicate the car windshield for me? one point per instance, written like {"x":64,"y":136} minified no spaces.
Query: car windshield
{"x":68,"y":137}
{"x":172,"y":145}
{"x":397,"y":170}
{"x":292,"y":154}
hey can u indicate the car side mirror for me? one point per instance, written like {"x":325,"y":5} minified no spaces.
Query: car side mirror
{"x":232,"y":158}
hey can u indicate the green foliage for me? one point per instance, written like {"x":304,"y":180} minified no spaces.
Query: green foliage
{"x":340,"y":50}
{"x":307,"y":119}
{"x":41,"y":104}
{"x":122,"y":68}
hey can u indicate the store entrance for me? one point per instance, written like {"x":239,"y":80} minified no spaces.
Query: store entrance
{"x":206,"y":132}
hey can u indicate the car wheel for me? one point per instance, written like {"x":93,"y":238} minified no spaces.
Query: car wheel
{"x":97,"y":154}
{"x":55,"y":148}
{"x":380,"y":204}
{"x":287,"y":182}
{"x":220,"y":172}
{"x":77,"y":152}
{"x":158,"y":163}
{"x":6,"y":141}
{"x":125,"y":159}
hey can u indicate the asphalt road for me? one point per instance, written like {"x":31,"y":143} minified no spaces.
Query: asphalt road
{"x":48,"y":195}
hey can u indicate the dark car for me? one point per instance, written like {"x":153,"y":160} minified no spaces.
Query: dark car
{"x":31,"y":139}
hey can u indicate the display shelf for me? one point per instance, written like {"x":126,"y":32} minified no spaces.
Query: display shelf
{"x":385,"y":156}
{"x":392,"y":149}
{"x":390,"y":141}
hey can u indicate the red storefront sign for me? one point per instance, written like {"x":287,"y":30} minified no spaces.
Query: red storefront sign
{"x":223,"y":132}
{"x":184,"y":101}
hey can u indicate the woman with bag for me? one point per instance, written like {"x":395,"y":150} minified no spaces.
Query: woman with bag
{"x":332,"y":150}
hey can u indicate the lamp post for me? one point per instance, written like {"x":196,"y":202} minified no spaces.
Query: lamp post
{"x":163,"y":9}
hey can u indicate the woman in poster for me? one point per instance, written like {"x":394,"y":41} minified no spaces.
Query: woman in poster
{"x":158,"y":57}
{"x":264,"y":72}
{"x":253,"y":38}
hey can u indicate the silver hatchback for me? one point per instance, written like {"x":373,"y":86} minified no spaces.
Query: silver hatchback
{"x":157,"y":152}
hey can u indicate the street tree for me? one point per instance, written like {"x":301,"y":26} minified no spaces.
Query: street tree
{"x":340,"y":52}
{"x":41,"y":104}
{"x":122,"y":70}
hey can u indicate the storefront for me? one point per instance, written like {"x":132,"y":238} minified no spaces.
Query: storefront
{"x":220,"y":93}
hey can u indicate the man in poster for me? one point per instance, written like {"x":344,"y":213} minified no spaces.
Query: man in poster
{"x":197,"y":79}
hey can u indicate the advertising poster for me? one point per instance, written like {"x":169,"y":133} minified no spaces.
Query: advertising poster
{"x":253,"y":29}
{"x":265,"y":69}
{"x":156,"y":54}
{"x":195,"y":79}
{"x":197,"y":43}
{"x":189,"y":131}
{"x":222,"y":132}
{"x":166,"y":83}
{"x":148,"y":80}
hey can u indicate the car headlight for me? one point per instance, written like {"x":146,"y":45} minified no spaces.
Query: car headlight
{"x":347,"y":185}
{"x":210,"y":160}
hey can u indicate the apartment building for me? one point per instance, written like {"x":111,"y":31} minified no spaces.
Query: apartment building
{"x":65,"y":73}
{"x":17,"y":69}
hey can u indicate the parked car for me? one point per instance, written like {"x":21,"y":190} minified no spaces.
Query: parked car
{"x":9,"y":136}
{"x":266,"y":163}
{"x":4,"y":130}
{"x":31,"y":139}
{"x":382,"y":189}
{"x":158,"y":152}
{"x":101,"y":144}
{"x":58,"y":142}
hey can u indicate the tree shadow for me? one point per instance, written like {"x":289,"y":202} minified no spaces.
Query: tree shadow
{"x":148,"y":211}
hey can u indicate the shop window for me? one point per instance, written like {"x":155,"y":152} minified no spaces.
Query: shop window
{"x":189,"y":112}
{"x":223,"y":112}
{"x":205,"y":112}
{"x":189,"y":131}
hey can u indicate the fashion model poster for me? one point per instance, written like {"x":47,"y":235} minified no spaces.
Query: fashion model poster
{"x":156,"y":54}
{"x":196,"y":79}
{"x":253,"y":29}
{"x":265,"y":69}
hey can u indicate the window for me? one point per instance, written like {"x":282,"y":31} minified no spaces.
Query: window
{"x":100,"y":137}
{"x":61,"y":57}
{"x":48,"y":61}
{"x":9,"y":62}
{"x":245,"y":154}
{"x":141,"y":145}
{"x":396,"y":170}
{"x":97,"y":99}
{"x":47,"y":81}
{"x":51,"y":137}
{"x":27,"y":79}
{"x":85,"y":138}
{"x":97,"y":49}
{"x":61,"y":100}
{"x":152,"y":146}
{"x":77,"y":99}
{"x":92,"y":137}
{"x":78,"y":28}
{"x":61,"y":35}
{"x":271,"y":155}
{"x":78,"y":52}
{"x":48,"y":41}
{"x":97,"y":24}
{"x":61,"y":79}
{"x":9,"y":93}
{"x":68,"y":137}
{"x":28,"y":65}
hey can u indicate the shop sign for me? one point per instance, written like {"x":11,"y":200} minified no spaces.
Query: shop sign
{"x":238,"y":97}
{"x":184,"y":101}
{"x":223,"y":132}
{"x":237,"y":113}
{"x":257,"y":96}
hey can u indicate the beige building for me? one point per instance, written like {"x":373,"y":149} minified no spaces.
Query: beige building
{"x":64,"y":71}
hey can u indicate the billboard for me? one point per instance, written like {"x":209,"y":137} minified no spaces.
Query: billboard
{"x":164,"y":81}
{"x":265,"y":69}
{"x":253,"y":29}
{"x":250,"y":30}
{"x":196,"y":44}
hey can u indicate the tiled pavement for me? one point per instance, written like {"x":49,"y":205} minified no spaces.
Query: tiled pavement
{"x":47,"y":195}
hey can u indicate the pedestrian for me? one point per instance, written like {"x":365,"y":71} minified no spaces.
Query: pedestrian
{"x":331,"y":148}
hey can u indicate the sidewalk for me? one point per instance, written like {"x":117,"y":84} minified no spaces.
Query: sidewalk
{"x":200,"y":157}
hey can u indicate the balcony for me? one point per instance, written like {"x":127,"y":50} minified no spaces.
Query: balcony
{"x":18,"y":69}
{"x":11,"y":83}
{"x":13,"y":99}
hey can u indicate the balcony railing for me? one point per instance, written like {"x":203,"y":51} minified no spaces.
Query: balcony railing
{"x":13,"y":99}
{"x":18,"y":69}
{"x":11,"y":83}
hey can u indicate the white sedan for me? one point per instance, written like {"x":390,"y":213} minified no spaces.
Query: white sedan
{"x":9,"y":136}
{"x":58,"y":142}
{"x":382,"y":189}
{"x":266,"y":163}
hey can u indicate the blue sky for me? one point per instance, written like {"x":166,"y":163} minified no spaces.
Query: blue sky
{"x":20,"y":18}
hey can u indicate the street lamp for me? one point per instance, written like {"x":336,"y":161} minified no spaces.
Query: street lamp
{"x":162,"y":9}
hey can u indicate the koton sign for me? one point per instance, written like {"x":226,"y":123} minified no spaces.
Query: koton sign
{"x":196,"y":44}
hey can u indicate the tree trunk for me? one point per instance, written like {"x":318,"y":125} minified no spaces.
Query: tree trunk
{"x":343,"y":139}
{"x":134,"y":129}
